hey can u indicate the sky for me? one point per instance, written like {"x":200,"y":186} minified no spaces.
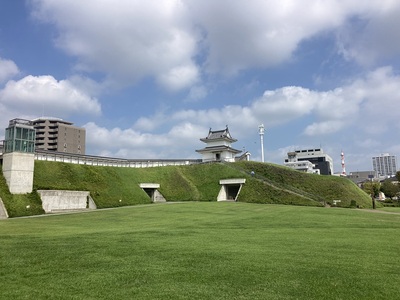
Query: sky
{"x":148,"y":79}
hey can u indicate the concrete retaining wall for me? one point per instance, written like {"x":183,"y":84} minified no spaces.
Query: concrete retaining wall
{"x":56,"y":200}
{"x":158,"y":197}
{"x":3,"y":211}
{"x":18,"y":171}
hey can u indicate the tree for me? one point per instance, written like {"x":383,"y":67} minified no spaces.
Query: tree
{"x":371,"y":188}
{"x":389,"y":188}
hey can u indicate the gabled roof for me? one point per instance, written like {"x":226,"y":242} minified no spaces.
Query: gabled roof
{"x":219,"y":135}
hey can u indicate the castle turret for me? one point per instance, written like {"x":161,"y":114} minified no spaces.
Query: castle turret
{"x":218,"y":146}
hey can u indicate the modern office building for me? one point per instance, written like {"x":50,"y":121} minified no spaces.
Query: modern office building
{"x":55,"y":134}
{"x":385,"y":164}
{"x":316,"y":161}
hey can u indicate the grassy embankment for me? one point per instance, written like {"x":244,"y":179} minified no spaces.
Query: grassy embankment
{"x":202,"y":251}
{"x":322,"y":189}
{"x":113,"y":186}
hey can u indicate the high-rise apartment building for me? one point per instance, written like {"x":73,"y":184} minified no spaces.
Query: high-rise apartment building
{"x":55,"y":134}
{"x":385,"y":164}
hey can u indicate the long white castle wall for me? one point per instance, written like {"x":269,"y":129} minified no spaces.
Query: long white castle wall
{"x":57,"y":200}
{"x":18,"y":171}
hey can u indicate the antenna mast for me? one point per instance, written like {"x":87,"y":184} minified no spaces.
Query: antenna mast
{"x":261,"y":132}
{"x":343,"y":165}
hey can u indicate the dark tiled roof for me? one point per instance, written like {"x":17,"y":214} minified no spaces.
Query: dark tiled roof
{"x":219,"y":134}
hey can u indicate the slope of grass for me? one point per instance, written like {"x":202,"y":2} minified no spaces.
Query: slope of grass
{"x":110,"y":184}
{"x":320,"y":188}
{"x":206,"y":177}
{"x":202,"y":251}
{"x":258,"y":191}
{"x":114,"y":186}
{"x":107,"y":185}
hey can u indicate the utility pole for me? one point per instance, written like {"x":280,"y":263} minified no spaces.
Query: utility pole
{"x":261,"y":132}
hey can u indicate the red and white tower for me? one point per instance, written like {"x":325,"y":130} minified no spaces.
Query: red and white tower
{"x":343,"y":165}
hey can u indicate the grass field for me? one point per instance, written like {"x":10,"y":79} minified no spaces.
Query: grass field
{"x":202,"y":250}
{"x":391,"y":209}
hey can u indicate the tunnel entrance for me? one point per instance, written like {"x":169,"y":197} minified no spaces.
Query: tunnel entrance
{"x":151,"y":190}
{"x":230,"y":189}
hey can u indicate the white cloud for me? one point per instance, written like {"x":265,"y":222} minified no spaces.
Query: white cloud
{"x":180,"y":77}
{"x":369,"y":104}
{"x":8,"y":69}
{"x":179,"y":43}
{"x":172,"y":40}
{"x":381,"y":91}
{"x":261,"y":33}
{"x":196,"y":93}
{"x":284,"y":105}
{"x":38,"y":95}
{"x":365,"y":108}
{"x":323,"y":128}
{"x":373,"y":36}
{"x":128,"y":41}
{"x":368,"y":143}
{"x":178,"y":142}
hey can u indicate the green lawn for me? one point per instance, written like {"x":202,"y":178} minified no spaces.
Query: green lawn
{"x":202,"y":250}
{"x":395,"y":209}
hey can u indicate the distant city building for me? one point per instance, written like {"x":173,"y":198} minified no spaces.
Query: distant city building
{"x":311,"y":161}
{"x":359,"y":177}
{"x":55,"y":134}
{"x":385,"y":164}
{"x":218,"y":146}
{"x":303,"y":166}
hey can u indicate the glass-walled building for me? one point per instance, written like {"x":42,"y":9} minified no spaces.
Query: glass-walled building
{"x":19,"y":137}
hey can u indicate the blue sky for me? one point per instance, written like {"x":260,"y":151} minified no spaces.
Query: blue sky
{"x":153,"y":76}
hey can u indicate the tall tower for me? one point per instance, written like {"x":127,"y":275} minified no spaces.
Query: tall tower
{"x":343,"y":165}
{"x":261,"y":132}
